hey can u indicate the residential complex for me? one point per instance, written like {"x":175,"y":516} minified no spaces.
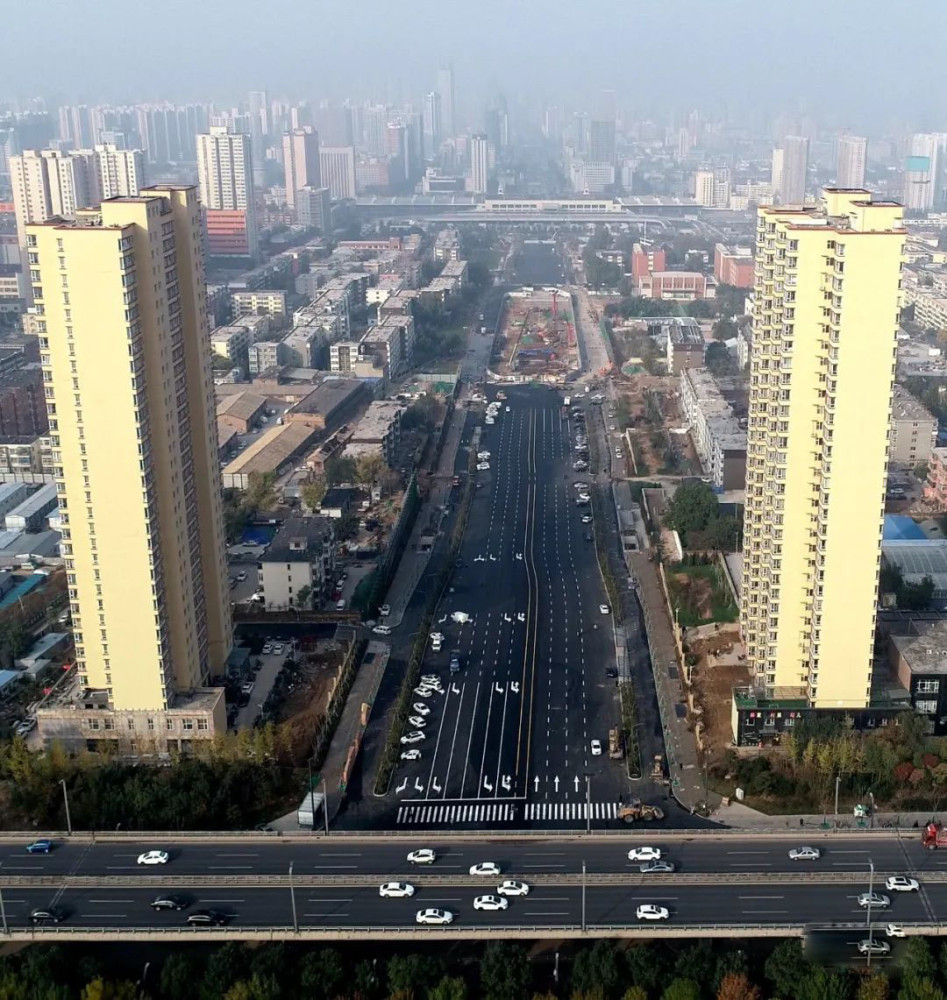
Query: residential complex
{"x":300,"y":162}
{"x":225,"y":173}
{"x":826,"y":306}
{"x":851,"y":159}
{"x":126,"y":362}
{"x":913,"y":429}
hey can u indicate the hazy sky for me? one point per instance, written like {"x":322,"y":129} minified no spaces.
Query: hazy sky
{"x":843,"y":56}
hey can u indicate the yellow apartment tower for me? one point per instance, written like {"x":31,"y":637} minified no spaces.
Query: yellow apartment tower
{"x":825,"y":323}
{"x":126,"y":363}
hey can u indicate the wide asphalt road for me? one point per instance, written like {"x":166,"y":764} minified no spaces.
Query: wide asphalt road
{"x":508,"y":743}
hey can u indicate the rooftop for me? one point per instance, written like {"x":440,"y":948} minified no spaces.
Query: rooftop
{"x":241,"y":406}
{"x":379,"y":417}
{"x":926,"y":650}
{"x":299,"y":539}
{"x":905,"y":407}
{"x":329,"y":396}
{"x":271,"y":449}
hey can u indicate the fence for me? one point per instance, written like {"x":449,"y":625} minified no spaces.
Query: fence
{"x":400,"y":534}
{"x":337,"y":702}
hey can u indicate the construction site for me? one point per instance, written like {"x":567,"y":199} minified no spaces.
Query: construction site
{"x":537,"y":336}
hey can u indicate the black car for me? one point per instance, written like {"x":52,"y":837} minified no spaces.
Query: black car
{"x":169,"y":901}
{"x":47,"y":915}
{"x":207,"y":918}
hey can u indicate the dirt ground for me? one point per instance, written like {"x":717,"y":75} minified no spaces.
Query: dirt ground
{"x":304,"y":707}
{"x":528,"y":324}
{"x":698,"y":592}
{"x":650,"y":441}
{"x":712,"y":683}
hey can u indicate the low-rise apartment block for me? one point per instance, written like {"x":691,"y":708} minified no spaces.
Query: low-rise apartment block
{"x":266,"y":354}
{"x":719,"y":440}
{"x":913,"y":429}
{"x":260,"y":302}
{"x":391,"y":344}
{"x":378,"y":432}
{"x":300,"y":559}
{"x":447,"y":245}
{"x":936,"y":489}
{"x":685,"y":347}
{"x":733,"y":266}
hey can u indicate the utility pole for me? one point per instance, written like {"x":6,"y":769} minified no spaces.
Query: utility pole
{"x":583,"y":897}
{"x":65,"y":798}
{"x":325,"y":804}
{"x":838,"y":779}
{"x":871,"y":889}
{"x":588,"y":804}
{"x":292,"y":897}
{"x":3,"y":915}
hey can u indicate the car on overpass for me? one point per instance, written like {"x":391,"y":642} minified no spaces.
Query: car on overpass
{"x":644,"y":854}
{"x":169,"y":901}
{"x":154,"y":858}
{"x":412,"y":754}
{"x":39,"y":847}
{"x":901,"y":883}
{"x":207,"y":918}
{"x":396,"y":890}
{"x":657,"y":868}
{"x":47,"y":915}
{"x":876,"y":900}
{"x":511,"y":887}
{"x":422,"y":856}
{"x":434,"y":917}
{"x":491,"y":903}
{"x":485,"y":868}
{"x":648,"y":911}
{"x":872,"y":946}
{"x":805,"y":854}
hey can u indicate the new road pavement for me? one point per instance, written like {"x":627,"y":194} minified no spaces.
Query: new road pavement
{"x":508,"y":742}
{"x":733,"y":884}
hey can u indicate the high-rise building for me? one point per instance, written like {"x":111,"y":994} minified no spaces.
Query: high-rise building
{"x":790,"y":170}
{"x":825,"y":324}
{"x":337,"y":169}
{"x":121,"y":171}
{"x":397,"y":148}
{"x":479,"y":163}
{"x":314,"y":208}
{"x":712,"y":187}
{"x":552,"y":123}
{"x":852,"y":156}
{"x":445,"y":88}
{"x":375,"y":118}
{"x":300,"y":161}
{"x":602,"y":141}
{"x":925,"y":171}
{"x":433,"y":126}
{"x":224,"y":170}
{"x":126,"y":361}
{"x":259,"y":131}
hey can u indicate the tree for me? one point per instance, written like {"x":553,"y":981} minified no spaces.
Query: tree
{"x":635,"y":993}
{"x":821,"y":984}
{"x":368,"y":468}
{"x":646,"y":967}
{"x":226,"y":966}
{"x":681,"y":989}
{"x":920,"y":989}
{"x":692,"y":508}
{"x":412,"y":972}
{"x":596,"y":969}
{"x":921,"y":470}
{"x":103,"y":989}
{"x":874,"y":987}
{"x":736,"y":986}
{"x":304,"y":597}
{"x":785,"y":966}
{"x":724,"y":329}
{"x":504,"y":971}
{"x":718,"y":360}
{"x":918,"y":961}
{"x":339,"y":470}
{"x":261,"y":492}
{"x":180,"y":972}
{"x":312,"y":493}
{"x":731,"y":962}
{"x":449,"y":988}
{"x":695,"y":963}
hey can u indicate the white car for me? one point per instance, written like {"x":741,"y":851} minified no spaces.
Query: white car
{"x":267,"y":649}
{"x":511,"y":887}
{"x":507,"y":409}
{"x":434,"y":916}
{"x":581,"y":486}
{"x":483,"y":466}
{"x":604,"y":608}
{"x":385,"y":610}
{"x":430,"y":678}
{"x":617,"y":454}
{"x":901,"y":883}
{"x":422,"y":856}
{"x":644,"y":854}
{"x":485,"y":868}
{"x":417,"y":721}
{"x":894,"y":931}
{"x":491,"y":903}
{"x":423,"y":692}
{"x":396,"y":890}
{"x":876,"y":900}
{"x":421,"y":708}
{"x":586,"y":518}
{"x":278,"y":649}
{"x":872,"y":946}
{"x":382,"y":630}
{"x":416,"y":736}
{"x":484,"y":456}
{"x":412,"y":754}
{"x":596,"y":747}
{"x":805,"y":854}
{"x":153,"y":858}
{"x":648,"y":911}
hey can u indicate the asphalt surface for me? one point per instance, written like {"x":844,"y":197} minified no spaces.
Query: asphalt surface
{"x":509,"y":741}
{"x":720,"y":880}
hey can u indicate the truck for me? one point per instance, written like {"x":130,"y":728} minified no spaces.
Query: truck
{"x":636,"y":811}
{"x":566,"y":400}
{"x":614,"y":745}
{"x":309,"y":809}
{"x":934,"y":836}
{"x":657,"y":768}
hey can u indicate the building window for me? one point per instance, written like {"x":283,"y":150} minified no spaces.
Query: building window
{"x":169,"y":723}
{"x":94,"y":724}
{"x":928,"y":687}
{"x":187,"y":724}
{"x":131,"y":724}
{"x":151,"y":725}
{"x":202,"y":724}
{"x":926,"y":707}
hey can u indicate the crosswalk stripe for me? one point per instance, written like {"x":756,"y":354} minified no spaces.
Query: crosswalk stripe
{"x":504,"y":811}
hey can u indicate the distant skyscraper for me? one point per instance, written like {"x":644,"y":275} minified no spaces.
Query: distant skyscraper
{"x":924,"y":172}
{"x":850,"y":161}
{"x":712,"y":187}
{"x":300,"y":162}
{"x":433,"y":126}
{"x":337,"y":167}
{"x":314,"y":208}
{"x":790,"y":170}
{"x":259,"y":130}
{"x":817,"y":445}
{"x":126,"y":364}
{"x":479,"y":163}
{"x":224,"y":170}
{"x":602,"y":141}
{"x":552,"y":123}
{"x":445,"y":88}
{"x":121,"y":171}
{"x":375,"y":118}
{"x":397,"y":147}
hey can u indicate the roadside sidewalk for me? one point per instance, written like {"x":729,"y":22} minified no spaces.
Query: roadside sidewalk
{"x":743,"y":817}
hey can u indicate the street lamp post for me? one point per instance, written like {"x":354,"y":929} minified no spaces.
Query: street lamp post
{"x":838,"y":779}
{"x":3,"y":915}
{"x":292,"y":897}
{"x":325,"y":804}
{"x":65,"y":798}
{"x":583,"y":897}
{"x":871,"y":889}
{"x":588,"y":804}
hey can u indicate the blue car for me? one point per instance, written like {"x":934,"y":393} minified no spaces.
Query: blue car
{"x":39,"y":847}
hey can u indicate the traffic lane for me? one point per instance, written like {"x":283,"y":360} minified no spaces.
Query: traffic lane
{"x":545,"y":905}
